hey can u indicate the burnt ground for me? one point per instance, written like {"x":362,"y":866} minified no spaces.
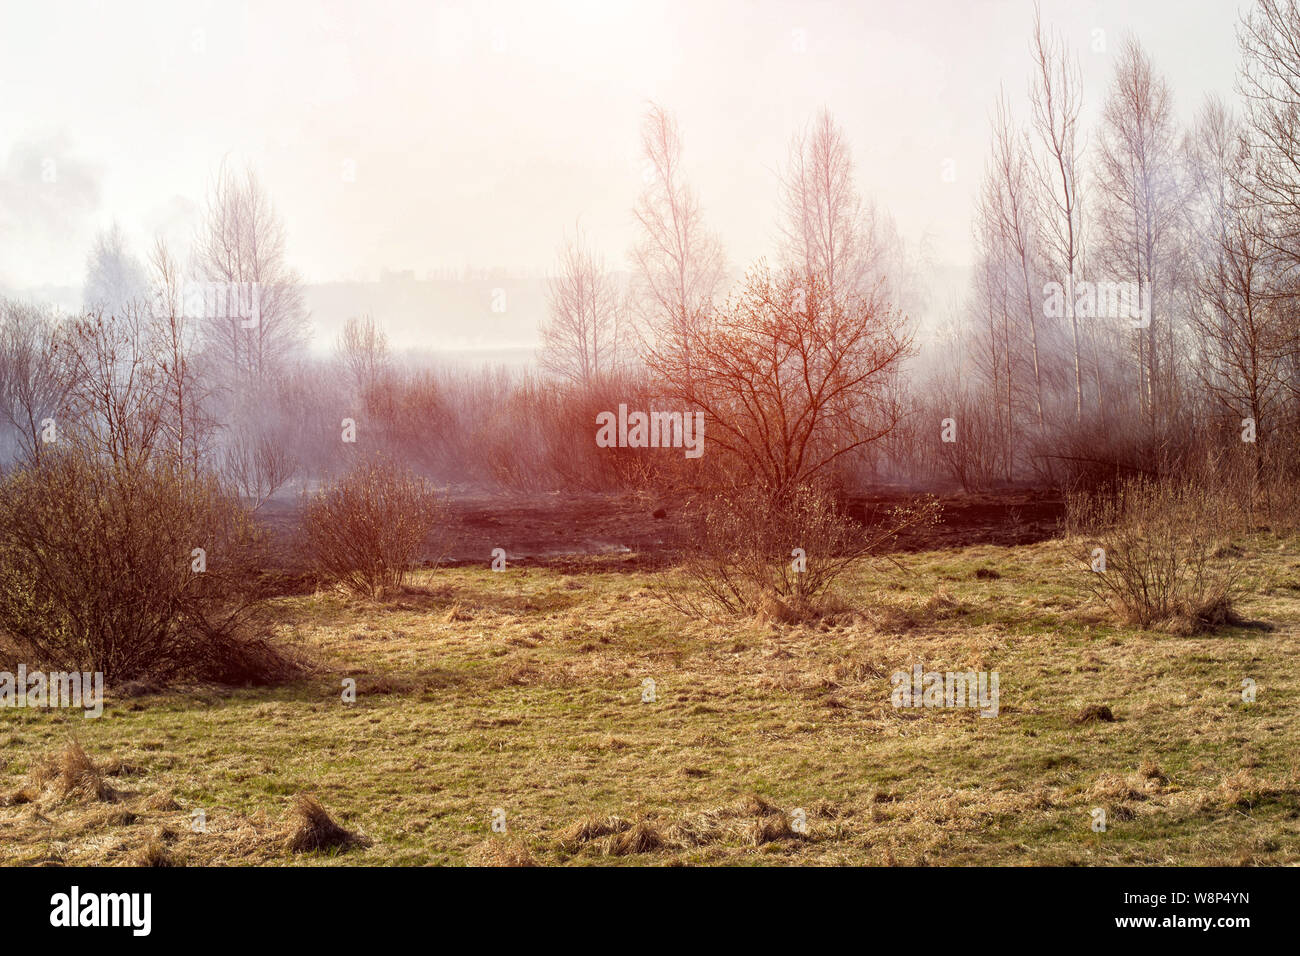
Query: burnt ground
{"x":622,"y":529}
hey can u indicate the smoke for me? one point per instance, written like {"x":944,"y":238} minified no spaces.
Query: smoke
{"x":48,"y":201}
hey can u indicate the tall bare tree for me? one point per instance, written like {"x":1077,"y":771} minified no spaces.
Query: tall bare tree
{"x":1270,"y":84}
{"x":242,"y":249}
{"x":363,"y":349}
{"x":583,"y":337}
{"x":187,"y":420}
{"x":1142,"y":199}
{"x":1241,"y":328}
{"x":828,"y":230}
{"x":678,"y":262}
{"x":1056,"y":99}
{"x":1012,"y":203}
{"x":114,"y":277}
{"x":991,"y":335}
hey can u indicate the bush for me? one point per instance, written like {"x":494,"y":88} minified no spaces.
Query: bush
{"x":97,"y":572}
{"x":744,"y":561}
{"x":1164,"y":564}
{"x":366,"y":529}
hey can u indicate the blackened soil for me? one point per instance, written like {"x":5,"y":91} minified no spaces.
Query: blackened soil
{"x":636,"y":531}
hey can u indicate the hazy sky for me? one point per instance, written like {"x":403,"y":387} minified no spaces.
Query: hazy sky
{"x":479,"y":132}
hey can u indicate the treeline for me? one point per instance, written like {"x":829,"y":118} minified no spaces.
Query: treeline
{"x":1134,"y":307}
{"x":201,"y":359}
{"x":1133,"y":312}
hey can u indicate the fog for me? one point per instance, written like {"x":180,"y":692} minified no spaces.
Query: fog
{"x":449,"y":136}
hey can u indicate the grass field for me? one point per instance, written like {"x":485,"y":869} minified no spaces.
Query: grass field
{"x":522,"y":691}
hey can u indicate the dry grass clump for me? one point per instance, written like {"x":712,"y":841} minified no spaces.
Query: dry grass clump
{"x":641,"y":837}
{"x":71,"y":773}
{"x":592,"y":828}
{"x":156,"y":853}
{"x":771,"y":828}
{"x":162,"y":802}
{"x":901,"y":618}
{"x":616,"y":836}
{"x":750,"y":821}
{"x":1094,"y":713}
{"x":753,"y":805}
{"x":1244,"y":790}
{"x":500,"y":852}
{"x":1152,"y":771}
{"x":1120,"y":789}
{"x":316,"y":829}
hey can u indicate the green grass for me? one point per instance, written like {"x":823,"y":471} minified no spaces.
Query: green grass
{"x":522,"y":691}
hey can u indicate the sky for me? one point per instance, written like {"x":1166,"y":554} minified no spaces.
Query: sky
{"x":445,"y":135}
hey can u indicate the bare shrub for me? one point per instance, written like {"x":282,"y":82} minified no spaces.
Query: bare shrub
{"x":98,"y":572}
{"x":975,"y":457}
{"x":744,"y":561}
{"x":257,"y":465}
{"x":366,"y":529}
{"x":792,"y":375}
{"x":541,"y":435}
{"x":1163,"y":561}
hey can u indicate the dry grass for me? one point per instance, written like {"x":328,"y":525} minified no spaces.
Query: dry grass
{"x":529,"y":698}
{"x":592,"y":828}
{"x":315,"y":829}
{"x":501,"y":852}
{"x":72,"y":774}
{"x":155,"y":853}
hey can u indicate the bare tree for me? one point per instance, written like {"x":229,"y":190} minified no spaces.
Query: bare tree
{"x":789,"y":378}
{"x":363,"y":350}
{"x":678,"y":262}
{"x":1240,"y":327}
{"x":991,"y":338}
{"x":115,"y":279}
{"x":33,"y":376}
{"x":1012,"y":204}
{"x":241,"y":248}
{"x":1056,"y":99}
{"x":582,"y":338}
{"x":1142,"y":198}
{"x":1270,"y":84}
{"x":828,"y":230}
{"x":187,"y":422}
{"x":117,"y":396}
